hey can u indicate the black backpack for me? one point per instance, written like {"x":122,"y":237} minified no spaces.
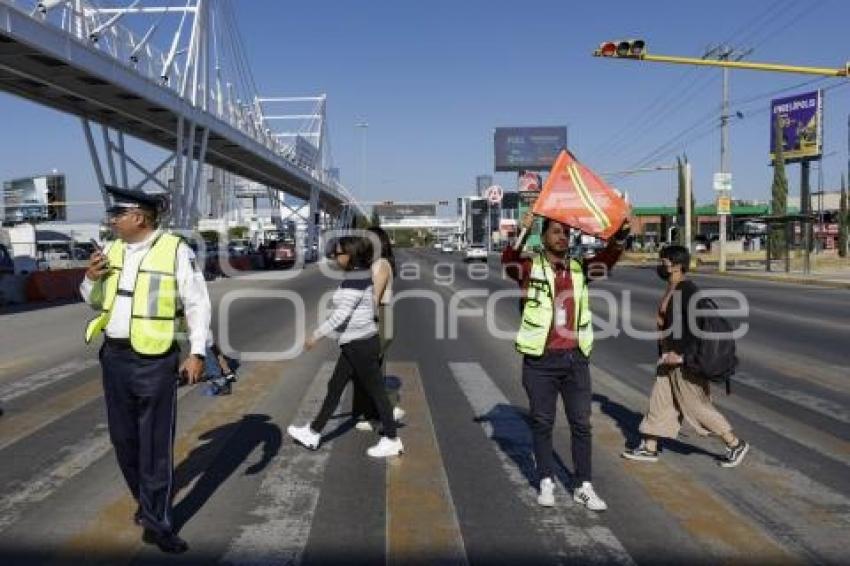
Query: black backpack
{"x":715,"y":357}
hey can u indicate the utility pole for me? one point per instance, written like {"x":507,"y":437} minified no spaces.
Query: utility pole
{"x":725,"y":53}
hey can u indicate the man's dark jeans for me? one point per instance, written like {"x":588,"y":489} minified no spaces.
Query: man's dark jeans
{"x":565,"y":373}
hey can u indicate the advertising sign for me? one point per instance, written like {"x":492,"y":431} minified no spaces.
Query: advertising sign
{"x":724,"y":206}
{"x":528,"y":149}
{"x":495,"y":194}
{"x":800,"y":118}
{"x":397,"y":211}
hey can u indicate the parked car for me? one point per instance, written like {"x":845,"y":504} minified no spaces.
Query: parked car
{"x":437,"y":245}
{"x":447,"y":248}
{"x":279,"y":255}
{"x":475,"y":252}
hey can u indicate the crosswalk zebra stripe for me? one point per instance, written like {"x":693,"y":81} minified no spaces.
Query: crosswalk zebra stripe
{"x":503,"y":423}
{"x":36,"y":381}
{"x":289,"y":494}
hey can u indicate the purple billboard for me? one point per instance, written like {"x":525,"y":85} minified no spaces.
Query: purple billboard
{"x":799,"y":118}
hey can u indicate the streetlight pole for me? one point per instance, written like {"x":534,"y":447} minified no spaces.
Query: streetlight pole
{"x":362,"y":125}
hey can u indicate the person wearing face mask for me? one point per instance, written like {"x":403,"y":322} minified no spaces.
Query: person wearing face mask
{"x":679,"y":392}
{"x":556,"y":338}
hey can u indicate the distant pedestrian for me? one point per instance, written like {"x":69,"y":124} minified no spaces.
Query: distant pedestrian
{"x":556,"y":338}
{"x":680,"y":392}
{"x":353,"y":320}
{"x":383,"y":272}
{"x":140,"y":285}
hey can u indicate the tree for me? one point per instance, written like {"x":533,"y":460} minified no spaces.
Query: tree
{"x":779,"y":193}
{"x":843,"y":220}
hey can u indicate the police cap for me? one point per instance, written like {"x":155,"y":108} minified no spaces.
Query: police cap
{"x":123,"y":199}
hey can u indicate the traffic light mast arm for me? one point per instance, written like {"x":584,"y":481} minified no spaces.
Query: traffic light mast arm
{"x":636,"y":49}
{"x":752,"y":66}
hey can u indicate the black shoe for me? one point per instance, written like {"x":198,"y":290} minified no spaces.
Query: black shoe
{"x":169,"y":543}
{"x":137,"y":516}
{"x":735,"y":455}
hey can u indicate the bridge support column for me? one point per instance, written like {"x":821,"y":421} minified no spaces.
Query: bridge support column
{"x":312,"y":224}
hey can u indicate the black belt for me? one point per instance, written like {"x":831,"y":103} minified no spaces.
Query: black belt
{"x":123,"y":293}
{"x":119,"y":342}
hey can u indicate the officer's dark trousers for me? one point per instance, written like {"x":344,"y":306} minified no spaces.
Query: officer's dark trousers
{"x":565,"y":373}
{"x":358,"y":361}
{"x":140,"y":394}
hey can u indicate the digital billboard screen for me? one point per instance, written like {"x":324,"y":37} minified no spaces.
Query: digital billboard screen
{"x":528,"y":149}
{"x":799,"y":118}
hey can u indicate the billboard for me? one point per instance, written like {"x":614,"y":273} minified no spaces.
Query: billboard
{"x":528,"y":149}
{"x":32,"y":199}
{"x":398,"y":211}
{"x":800,"y":118}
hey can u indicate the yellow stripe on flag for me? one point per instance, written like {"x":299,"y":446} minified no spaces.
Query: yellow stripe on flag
{"x":587,"y":199}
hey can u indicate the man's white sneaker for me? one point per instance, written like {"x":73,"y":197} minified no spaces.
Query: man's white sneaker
{"x":585,"y":495}
{"x":305,"y":435}
{"x":546,"y":498}
{"x":398,"y":413}
{"x":386,"y":447}
{"x":365,"y":426}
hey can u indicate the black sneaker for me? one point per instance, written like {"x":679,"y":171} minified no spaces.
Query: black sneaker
{"x":640,"y":454}
{"x":735,"y":455}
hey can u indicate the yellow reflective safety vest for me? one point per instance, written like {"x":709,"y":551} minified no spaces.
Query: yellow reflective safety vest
{"x":538,"y":311}
{"x":153,"y":318}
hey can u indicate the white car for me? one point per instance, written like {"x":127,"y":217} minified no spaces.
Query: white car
{"x":447,"y":248}
{"x":475,"y":252}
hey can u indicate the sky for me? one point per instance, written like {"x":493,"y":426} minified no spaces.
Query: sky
{"x":433,"y":78}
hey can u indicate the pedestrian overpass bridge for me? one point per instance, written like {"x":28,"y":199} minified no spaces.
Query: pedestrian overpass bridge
{"x":195,"y":99}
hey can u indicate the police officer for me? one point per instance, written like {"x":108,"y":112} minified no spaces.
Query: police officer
{"x":141,"y":284}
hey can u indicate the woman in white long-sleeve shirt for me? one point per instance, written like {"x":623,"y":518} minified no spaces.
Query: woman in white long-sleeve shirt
{"x":353,"y":321}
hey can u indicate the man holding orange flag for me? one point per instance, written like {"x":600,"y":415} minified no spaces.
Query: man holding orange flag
{"x":556,"y":333}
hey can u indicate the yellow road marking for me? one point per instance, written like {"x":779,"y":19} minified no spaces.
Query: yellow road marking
{"x":422,"y":523}
{"x":111,"y":537}
{"x":18,"y":426}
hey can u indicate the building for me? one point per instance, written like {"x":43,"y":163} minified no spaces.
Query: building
{"x":35,"y":199}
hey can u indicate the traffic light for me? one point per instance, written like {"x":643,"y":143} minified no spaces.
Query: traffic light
{"x":627,"y":49}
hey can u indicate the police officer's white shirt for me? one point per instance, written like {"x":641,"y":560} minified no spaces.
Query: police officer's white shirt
{"x":191,"y":288}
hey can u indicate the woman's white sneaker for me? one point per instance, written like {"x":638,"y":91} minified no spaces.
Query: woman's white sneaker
{"x":546,"y":498}
{"x":305,"y":435}
{"x":364,"y":426}
{"x":386,"y":447}
{"x":585,"y":495}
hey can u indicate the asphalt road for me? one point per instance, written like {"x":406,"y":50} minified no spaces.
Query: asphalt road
{"x":462,"y":492}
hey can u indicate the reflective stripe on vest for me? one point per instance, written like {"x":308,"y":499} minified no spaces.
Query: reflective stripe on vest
{"x":154,"y":302}
{"x":538,"y":309}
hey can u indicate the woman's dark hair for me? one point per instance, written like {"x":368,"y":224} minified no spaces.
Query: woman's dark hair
{"x":386,"y":246}
{"x":678,"y":255}
{"x":359,"y":250}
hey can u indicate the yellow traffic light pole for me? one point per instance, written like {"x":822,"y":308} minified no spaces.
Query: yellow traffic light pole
{"x":635,"y":49}
{"x":752,"y":66}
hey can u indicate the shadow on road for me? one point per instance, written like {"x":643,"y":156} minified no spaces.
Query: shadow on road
{"x":225,"y":449}
{"x":512,"y":434}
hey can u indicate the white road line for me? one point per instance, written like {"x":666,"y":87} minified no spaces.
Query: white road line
{"x":288,"y":495}
{"x":75,"y":458}
{"x":504,"y":425}
{"x":36,"y":381}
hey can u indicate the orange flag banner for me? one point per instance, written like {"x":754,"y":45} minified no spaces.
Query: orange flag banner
{"x":576,"y":196}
